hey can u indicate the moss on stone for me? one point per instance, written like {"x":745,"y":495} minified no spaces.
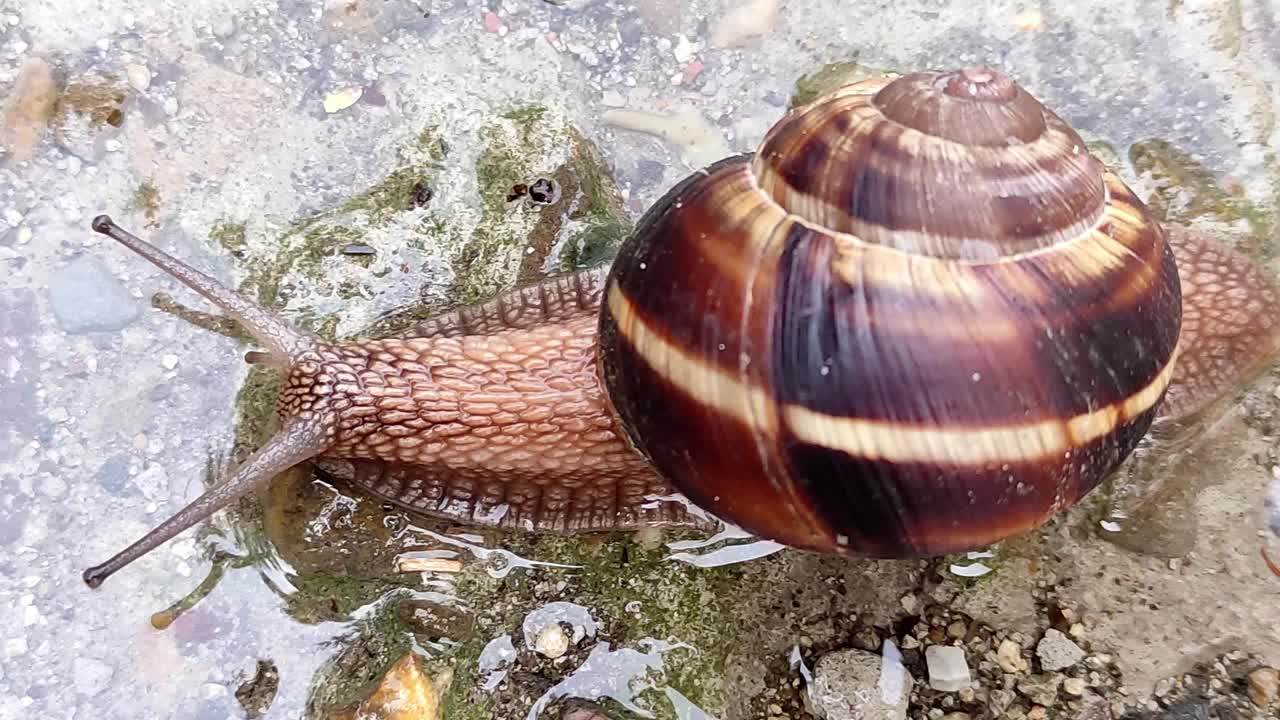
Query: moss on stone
{"x":96,"y":98}
{"x":363,"y":656}
{"x":231,"y":236}
{"x":460,"y":703}
{"x":588,"y":215}
{"x":1184,"y":189}
{"x":634,"y":592}
{"x":146,"y":200}
{"x":339,"y":570}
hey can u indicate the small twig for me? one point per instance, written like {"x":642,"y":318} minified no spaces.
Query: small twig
{"x":1275,"y":569}
{"x":444,"y":565}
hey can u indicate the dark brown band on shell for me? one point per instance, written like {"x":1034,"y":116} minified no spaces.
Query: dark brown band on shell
{"x":1062,"y":350}
{"x":887,"y":164}
{"x":897,"y":510}
{"x":873,"y":396}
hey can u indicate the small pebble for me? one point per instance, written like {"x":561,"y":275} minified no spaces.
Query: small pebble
{"x":139,"y":76}
{"x":492,"y":23}
{"x":342,"y":98}
{"x":1264,"y":685}
{"x":552,"y":642}
{"x":224,"y":26}
{"x":1009,"y":655}
{"x":1073,"y":686}
{"x":1040,"y":689}
{"x":684,"y":50}
{"x":1037,"y":713}
{"x":856,"y":685}
{"x":169,"y":361}
{"x":15,"y":647}
{"x":948,"y":669}
{"x":957,"y":630}
{"x":1057,"y":652}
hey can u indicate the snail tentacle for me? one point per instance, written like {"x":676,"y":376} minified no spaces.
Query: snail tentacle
{"x":302,"y":437}
{"x":284,"y":341}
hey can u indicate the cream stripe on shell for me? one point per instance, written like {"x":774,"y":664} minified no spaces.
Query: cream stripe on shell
{"x":877,"y":439}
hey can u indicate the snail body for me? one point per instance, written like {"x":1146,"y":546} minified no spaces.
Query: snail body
{"x":919,"y":319}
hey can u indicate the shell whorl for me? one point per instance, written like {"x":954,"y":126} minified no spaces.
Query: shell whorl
{"x":892,"y":342}
{"x":964,"y":165}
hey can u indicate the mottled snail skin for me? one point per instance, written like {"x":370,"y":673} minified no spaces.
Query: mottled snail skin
{"x":770,"y":369}
{"x":493,"y":414}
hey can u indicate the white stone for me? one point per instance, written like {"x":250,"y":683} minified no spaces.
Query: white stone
{"x":684,"y":49}
{"x":948,"y":669}
{"x":1010,"y":657}
{"x":858,"y":685}
{"x":13,"y":217}
{"x":169,"y":361}
{"x":13,"y":647}
{"x":1057,"y":652}
{"x":552,"y":642}
{"x":139,"y":76}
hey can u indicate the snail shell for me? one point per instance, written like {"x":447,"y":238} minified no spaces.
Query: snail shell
{"x":921,"y":318}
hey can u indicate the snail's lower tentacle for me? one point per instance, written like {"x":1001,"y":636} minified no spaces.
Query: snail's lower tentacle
{"x":302,"y":437}
{"x":279,"y":336}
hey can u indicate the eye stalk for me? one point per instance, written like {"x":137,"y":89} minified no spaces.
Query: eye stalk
{"x":301,"y":436}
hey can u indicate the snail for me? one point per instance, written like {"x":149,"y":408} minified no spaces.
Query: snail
{"x":922,"y":317}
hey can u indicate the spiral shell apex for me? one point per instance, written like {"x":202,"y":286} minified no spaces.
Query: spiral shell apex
{"x":920,"y":319}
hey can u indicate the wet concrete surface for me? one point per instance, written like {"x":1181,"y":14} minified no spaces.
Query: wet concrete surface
{"x":240,"y":122}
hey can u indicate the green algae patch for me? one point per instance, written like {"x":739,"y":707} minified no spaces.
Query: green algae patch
{"x":1183,"y":190}
{"x":520,"y":240}
{"x":443,"y":223}
{"x":146,"y":200}
{"x":360,"y":658}
{"x":231,"y":236}
{"x":308,"y":262}
{"x":633,"y":592}
{"x":831,"y":76}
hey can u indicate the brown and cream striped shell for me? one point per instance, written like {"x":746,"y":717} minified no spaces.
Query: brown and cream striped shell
{"x":919,"y":319}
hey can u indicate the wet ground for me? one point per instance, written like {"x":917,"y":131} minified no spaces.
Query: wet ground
{"x":342,"y":161}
